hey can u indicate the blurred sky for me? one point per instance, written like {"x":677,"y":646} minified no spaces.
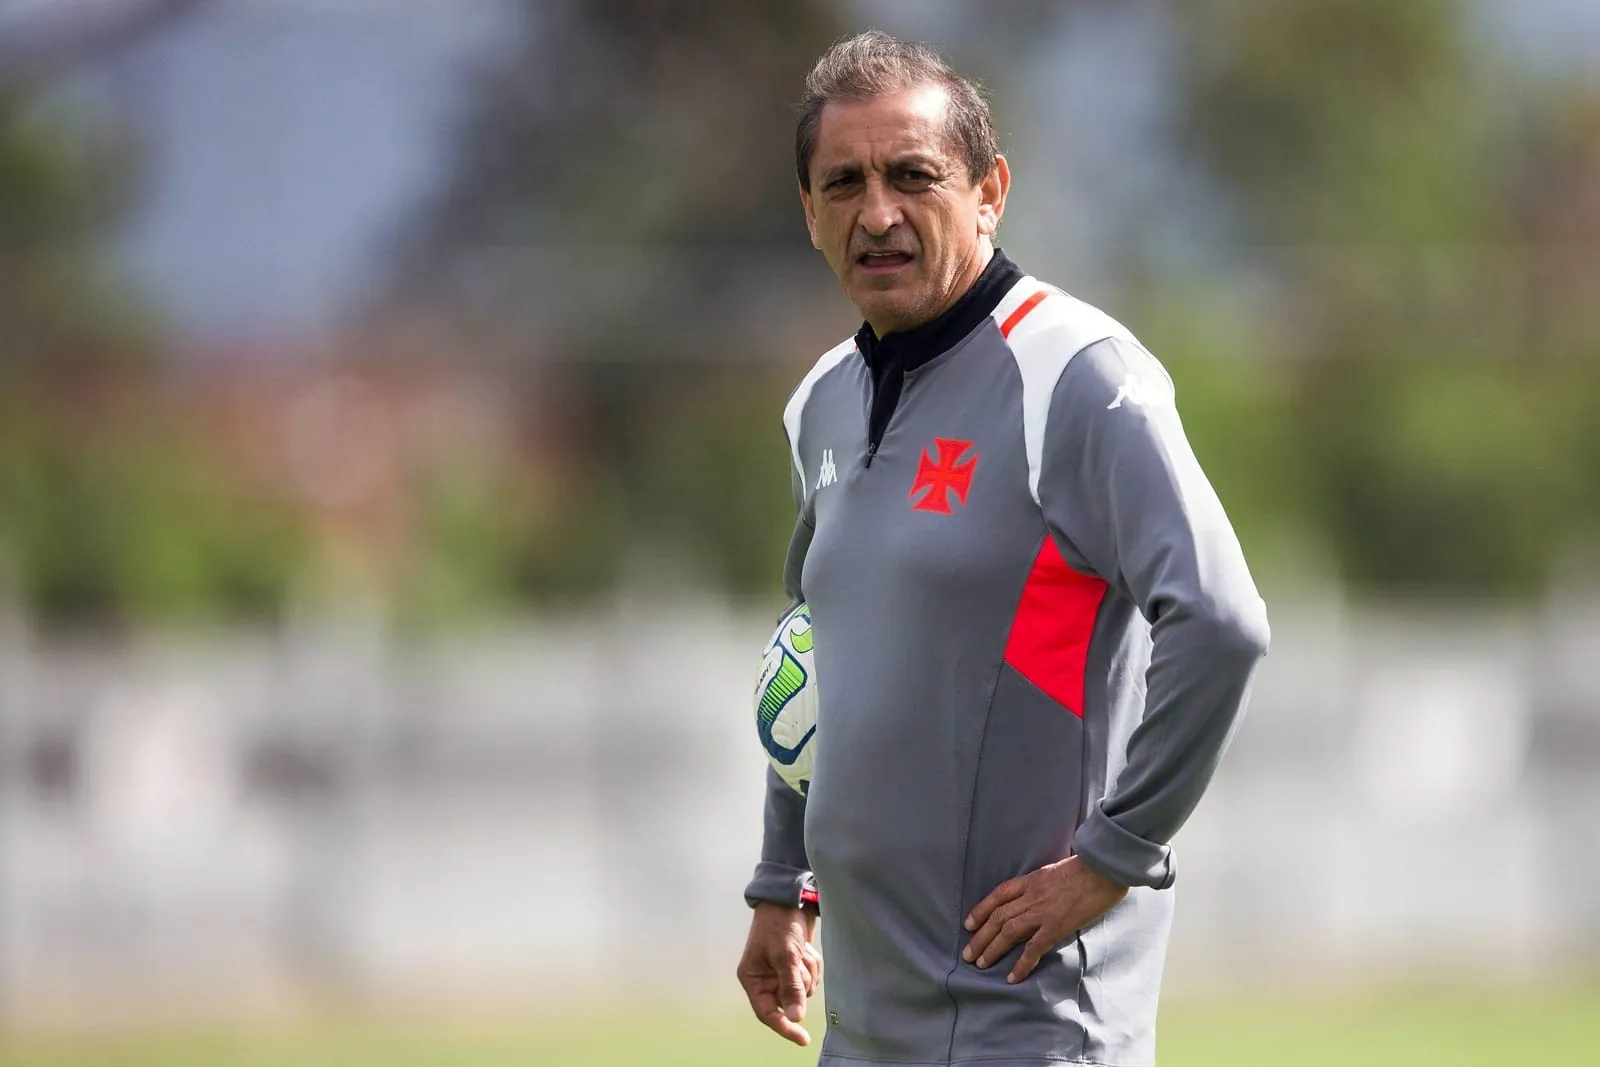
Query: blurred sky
{"x":285,"y":139}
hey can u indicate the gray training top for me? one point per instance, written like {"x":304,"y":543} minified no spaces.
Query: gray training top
{"x":1035,"y":632}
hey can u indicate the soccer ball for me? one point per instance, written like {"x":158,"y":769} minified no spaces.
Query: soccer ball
{"x":786,"y":699}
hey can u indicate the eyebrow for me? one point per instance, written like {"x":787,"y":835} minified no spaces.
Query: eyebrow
{"x":839,"y":170}
{"x":914,"y":161}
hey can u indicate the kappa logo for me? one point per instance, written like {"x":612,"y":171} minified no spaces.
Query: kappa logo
{"x":828,"y":473}
{"x":938,"y":477}
{"x":1141,"y":393}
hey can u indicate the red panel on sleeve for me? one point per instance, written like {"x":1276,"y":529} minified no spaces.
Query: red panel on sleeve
{"x":1049,"y":643}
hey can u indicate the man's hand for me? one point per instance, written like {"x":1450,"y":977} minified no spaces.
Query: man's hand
{"x":1043,"y":907}
{"x":781,"y":968}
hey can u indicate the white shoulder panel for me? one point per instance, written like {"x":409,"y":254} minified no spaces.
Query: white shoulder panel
{"x":797,"y":401}
{"x":1050,"y":331}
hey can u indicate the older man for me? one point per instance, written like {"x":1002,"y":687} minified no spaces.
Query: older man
{"x":1034,"y":626}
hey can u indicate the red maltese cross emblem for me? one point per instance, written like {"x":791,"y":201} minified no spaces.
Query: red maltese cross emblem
{"x":940,"y":476}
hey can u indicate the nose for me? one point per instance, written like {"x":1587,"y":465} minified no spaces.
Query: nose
{"x":880,"y":209}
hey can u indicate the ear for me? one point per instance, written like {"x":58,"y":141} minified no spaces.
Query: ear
{"x":992,"y":196}
{"x":811,"y":217}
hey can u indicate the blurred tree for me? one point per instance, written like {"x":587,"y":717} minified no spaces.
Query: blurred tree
{"x":110,"y":510}
{"x":611,"y":130}
{"x":55,"y":198}
{"x":623,"y":197}
{"x":61,"y":187}
{"x":622,"y":201}
{"x":1442,"y":412}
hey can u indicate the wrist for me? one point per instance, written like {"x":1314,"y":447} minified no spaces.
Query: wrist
{"x":1098,"y":876}
{"x":774,"y":913}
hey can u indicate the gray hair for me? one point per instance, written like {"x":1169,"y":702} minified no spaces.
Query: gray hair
{"x":874,"y":64}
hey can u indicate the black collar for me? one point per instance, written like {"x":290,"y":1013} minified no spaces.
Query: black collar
{"x":912,"y":348}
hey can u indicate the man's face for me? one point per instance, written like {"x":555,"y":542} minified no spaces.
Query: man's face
{"x":893,"y":209}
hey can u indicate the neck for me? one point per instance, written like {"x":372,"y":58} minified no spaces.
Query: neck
{"x":910,"y":348}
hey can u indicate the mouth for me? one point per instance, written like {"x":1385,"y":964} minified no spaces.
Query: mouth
{"x":878,"y":263}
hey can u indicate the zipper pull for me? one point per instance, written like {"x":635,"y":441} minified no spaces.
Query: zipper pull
{"x":872,"y":450}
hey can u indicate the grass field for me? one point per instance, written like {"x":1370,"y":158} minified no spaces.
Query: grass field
{"x":1411,"y":1029}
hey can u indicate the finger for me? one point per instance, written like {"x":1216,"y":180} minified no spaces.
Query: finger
{"x":1011,"y":934}
{"x":792,"y":991}
{"x":1032,"y":953}
{"x":753,"y":982}
{"x":813,"y":960}
{"x":980,"y":940}
{"x":1003,"y":893}
{"x":789,"y":1031}
{"x":771,"y":1013}
{"x":761,"y":992}
{"x":991,"y":929}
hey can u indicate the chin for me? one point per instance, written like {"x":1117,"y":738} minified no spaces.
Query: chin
{"x":880,"y":306}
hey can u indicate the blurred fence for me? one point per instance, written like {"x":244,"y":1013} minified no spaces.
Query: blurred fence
{"x":225,"y":823}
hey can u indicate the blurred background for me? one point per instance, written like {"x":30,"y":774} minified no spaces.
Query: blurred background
{"x":392,"y":496}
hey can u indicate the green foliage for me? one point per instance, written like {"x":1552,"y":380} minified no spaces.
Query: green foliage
{"x":489,"y":539}
{"x":1461,"y":477}
{"x":1409,"y":387}
{"x":627,"y":162}
{"x":1236,"y":413}
{"x":696,"y":493}
{"x":627,"y":126}
{"x":107,"y":512}
{"x":136,"y":523}
{"x":1405,"y":376}
{"x":1335,"y":120}
{"x":59,"y":312}
{"x":1435,"y":360}
{"x":716,"y":477}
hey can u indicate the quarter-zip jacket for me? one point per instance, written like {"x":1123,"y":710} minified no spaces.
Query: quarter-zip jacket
{"x":894,"y":356}
{"x":1034,"y":635}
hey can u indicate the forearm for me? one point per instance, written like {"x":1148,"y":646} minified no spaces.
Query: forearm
{"x":783,"y":875}
{"x":1198,"y":683}
{"x":1128,"y":497}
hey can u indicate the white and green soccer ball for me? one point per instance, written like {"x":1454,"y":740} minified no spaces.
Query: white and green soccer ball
{"x":786,"y":699}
